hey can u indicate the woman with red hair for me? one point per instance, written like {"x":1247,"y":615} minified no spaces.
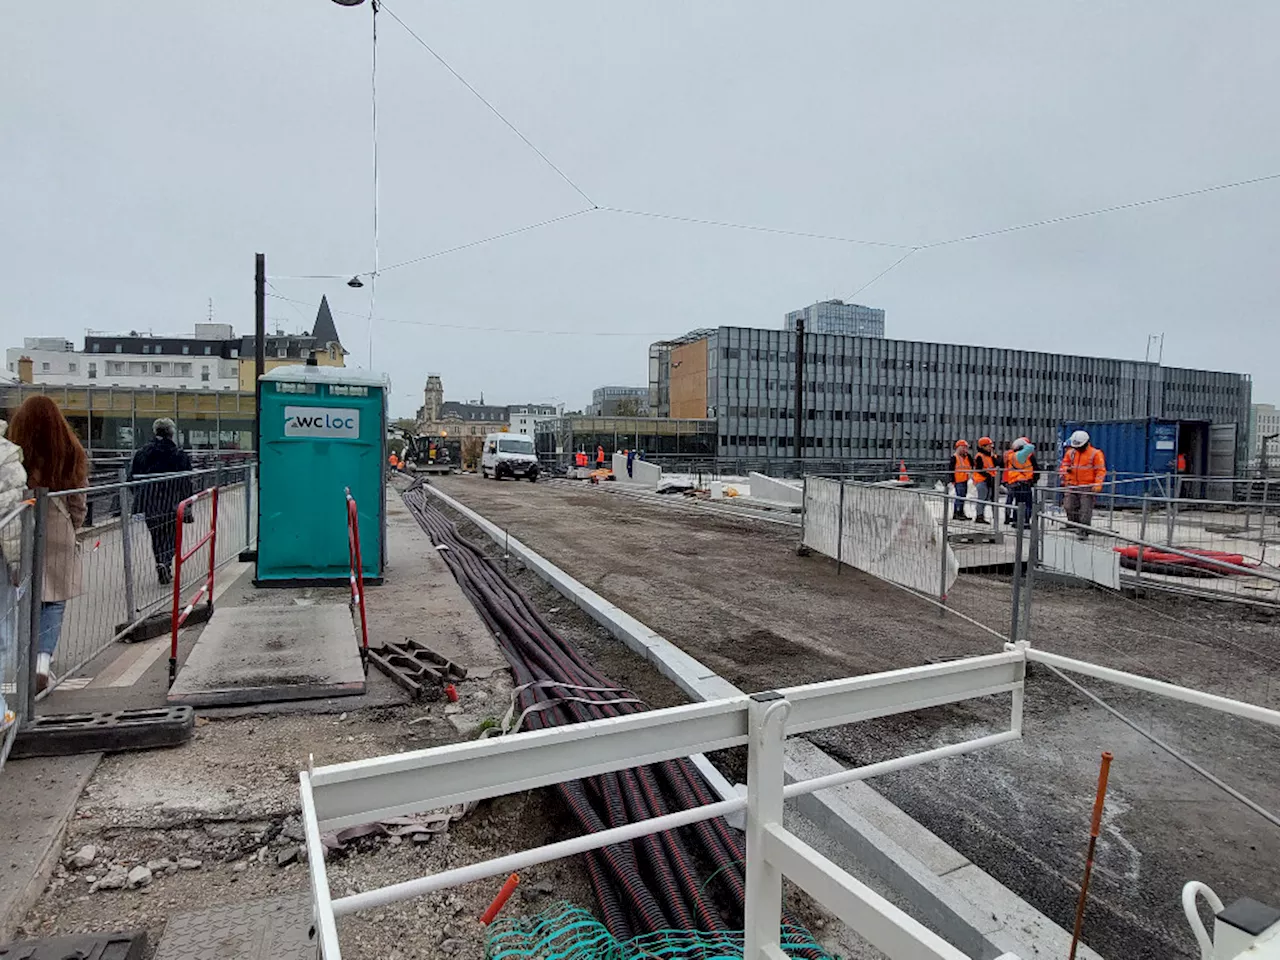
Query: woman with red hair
{"x":55,"y":460}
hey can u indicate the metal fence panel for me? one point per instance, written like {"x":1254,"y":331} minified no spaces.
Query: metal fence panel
{"x":113,"y":571}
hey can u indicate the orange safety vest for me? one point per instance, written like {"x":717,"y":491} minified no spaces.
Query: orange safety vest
{"x":1083,"y":468}
{"x":599,"y":454}
{"x":986,"y":462}
{"x":392,"y":460}
{"x":1182,"y":463}
{"x":580,"y":459}
{"x":964,"y":466}
{"x":1015,"y":472}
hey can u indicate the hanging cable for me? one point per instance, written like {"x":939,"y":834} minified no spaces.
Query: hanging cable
{"x":373,"y":277}
{"x":496,"y":236}
{"x":492,"y":109}
{"x":758,"y":229}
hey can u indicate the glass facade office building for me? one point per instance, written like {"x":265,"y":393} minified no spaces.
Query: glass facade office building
{"x":836,"y":316}
{"x":871,"y":398}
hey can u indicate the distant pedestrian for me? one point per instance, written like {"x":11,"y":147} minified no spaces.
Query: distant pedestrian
{"x":631,"y":459}
{"x":1083,"y":470}
{"x":13,"y":483}
{"x":158,"y":500}
{"x":961,"y":468}
{"x":984,"y":476}
{"x":56,"y":461}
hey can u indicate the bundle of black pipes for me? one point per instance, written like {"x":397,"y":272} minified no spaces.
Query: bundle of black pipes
{"x":644,"y":886}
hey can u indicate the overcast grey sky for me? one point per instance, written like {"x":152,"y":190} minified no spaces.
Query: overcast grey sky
{"x":150,"y":148}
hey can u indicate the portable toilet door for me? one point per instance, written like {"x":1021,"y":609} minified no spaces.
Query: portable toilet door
{"x":322,"y":432}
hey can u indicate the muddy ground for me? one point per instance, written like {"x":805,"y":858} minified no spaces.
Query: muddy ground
{"x":734,"y":594}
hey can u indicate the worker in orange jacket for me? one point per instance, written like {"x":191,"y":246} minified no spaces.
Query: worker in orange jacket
{"x":1083,"y":470}
{"x":984,"y":475}
{"x":960,"y":468}
{"x":1019,"y":479}
{"x":600,"y":456}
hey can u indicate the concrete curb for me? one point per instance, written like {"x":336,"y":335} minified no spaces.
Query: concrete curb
{"x":932,"y":876}
{"x":39,"y":826}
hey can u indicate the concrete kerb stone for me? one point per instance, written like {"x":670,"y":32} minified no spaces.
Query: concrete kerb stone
{"x":902,"y":860}
{"x":775,"y":491}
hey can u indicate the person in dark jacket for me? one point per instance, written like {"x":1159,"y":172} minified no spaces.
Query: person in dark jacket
{"x":158,"y":501}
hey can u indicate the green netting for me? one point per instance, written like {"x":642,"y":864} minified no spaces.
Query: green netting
{"x":566,"y":932}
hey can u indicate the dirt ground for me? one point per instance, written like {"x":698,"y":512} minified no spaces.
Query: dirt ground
{"x":734,"y":594}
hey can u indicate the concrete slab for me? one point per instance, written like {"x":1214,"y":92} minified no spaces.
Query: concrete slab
{"x":39,"y":799}
{"x":262,"y":654}
{"x":262,"y":930}
{"x":419,"y":600}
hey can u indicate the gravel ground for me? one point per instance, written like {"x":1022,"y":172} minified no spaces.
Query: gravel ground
{"x":734,"y":594}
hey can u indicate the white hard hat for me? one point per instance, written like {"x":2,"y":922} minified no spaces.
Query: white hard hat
{"x":1079,"y":439}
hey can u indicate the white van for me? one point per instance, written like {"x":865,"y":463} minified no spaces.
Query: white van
{"x":509,"y":455}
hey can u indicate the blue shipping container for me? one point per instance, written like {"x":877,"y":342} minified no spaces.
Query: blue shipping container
{"x":1144,"y":449}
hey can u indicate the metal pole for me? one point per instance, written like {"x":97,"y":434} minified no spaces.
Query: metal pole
{"x":41,"y":511}
{"x":1015,"y":613}
{"x":26,"y":645}
{"x":126,"y":542}
{"x":799,"y":395}
{"x":1262,"y":520}
{"x":766,"y":718}
{"x":996,"y":509}
{"x":1033,"y":557}
{"x":840,"y":531}
{"x":942,"y":578}
{"x":1142,"y":536}
{"x":1171,"y":515}
{"x":250,"y":477}
{"x":1094,"y":829}
{"x":1111,"y":517}
{"x":260,"y":340}
{"x":804,"y":509}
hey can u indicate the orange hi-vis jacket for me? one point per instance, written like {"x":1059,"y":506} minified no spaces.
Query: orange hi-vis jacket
{"x":1083,"y":468}
{"x":963,"y":467}
{"x":1015,"y":472}
{"x":985,"y":464}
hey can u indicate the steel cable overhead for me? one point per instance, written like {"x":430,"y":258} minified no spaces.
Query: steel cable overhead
{"x":645,"y":886}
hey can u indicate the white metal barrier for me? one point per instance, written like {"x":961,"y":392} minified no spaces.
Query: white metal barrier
{"x":364,"y":791}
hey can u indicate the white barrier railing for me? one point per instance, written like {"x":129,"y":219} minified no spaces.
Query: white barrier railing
{"x":364,"y":791}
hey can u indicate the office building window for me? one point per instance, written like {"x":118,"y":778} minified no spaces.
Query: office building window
{"x":185,"y":348}
{"x":93,"y":371}
{"x":44,"y":366}
{"x":119,"y":349}
{"x":146,"y":348}
{"x":204,"y":372}
{"x":206,"y":351}
{"x":71,"y":367}
{"x":96,"y":347}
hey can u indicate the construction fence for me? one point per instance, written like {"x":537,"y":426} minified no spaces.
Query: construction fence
{"x":920,"y":537}
{"x":110,"y":579}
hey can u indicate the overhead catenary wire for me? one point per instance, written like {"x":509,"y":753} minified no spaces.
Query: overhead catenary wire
{"x":489,"y":105}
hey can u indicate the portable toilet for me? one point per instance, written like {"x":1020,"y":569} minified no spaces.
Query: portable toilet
{"x":322,"y":431}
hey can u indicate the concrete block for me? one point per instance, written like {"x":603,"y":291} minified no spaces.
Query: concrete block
{"x":261,"y":654}
{"x":789,"y":492}
{"x":643,"y":473}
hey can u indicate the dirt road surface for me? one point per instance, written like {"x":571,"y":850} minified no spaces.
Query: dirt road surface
{"x":734,"y":594}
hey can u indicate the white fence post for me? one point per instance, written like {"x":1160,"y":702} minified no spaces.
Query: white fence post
{"x":766,"y":725}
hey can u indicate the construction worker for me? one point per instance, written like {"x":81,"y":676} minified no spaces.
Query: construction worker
{"x":960,"y":469}
{"x":984,"y":475}
{"x":1083,"y":470}
{"x":580,"y":458}
{"x":600,"y":456}
{"x":1019,"y":479}
{"x":393,"y":462}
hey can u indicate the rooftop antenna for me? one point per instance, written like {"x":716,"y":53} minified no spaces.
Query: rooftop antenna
{"x":211,"y":309}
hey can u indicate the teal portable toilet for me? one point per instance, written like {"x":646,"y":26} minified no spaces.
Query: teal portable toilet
{"x":322,"y":431}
